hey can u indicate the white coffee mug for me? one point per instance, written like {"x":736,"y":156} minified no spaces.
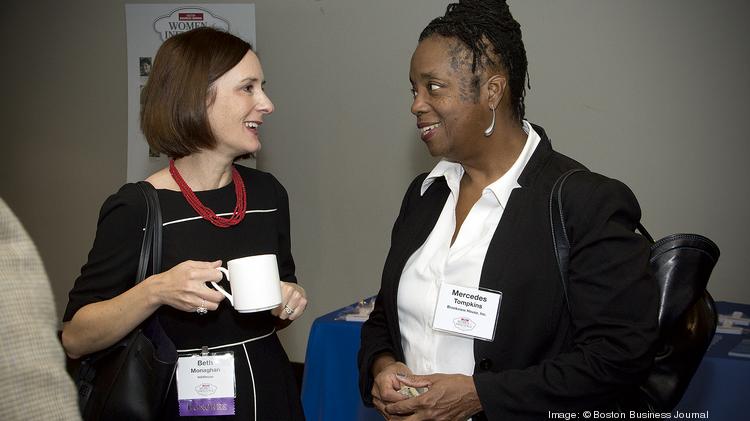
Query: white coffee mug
{"x":254,"y":281}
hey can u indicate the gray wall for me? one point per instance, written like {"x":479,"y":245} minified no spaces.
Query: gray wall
{"x":647,"y":92}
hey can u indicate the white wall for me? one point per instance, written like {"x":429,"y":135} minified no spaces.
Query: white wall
{"x":652,"y":93}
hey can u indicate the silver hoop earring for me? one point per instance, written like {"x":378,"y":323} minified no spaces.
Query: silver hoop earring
{"x":488,"y":131}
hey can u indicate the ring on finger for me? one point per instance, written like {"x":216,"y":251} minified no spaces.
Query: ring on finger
{"x":288,"y":310}
{"x":201,"y":310}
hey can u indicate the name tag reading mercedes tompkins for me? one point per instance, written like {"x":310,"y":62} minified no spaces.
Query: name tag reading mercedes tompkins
{"x":467,"y":312}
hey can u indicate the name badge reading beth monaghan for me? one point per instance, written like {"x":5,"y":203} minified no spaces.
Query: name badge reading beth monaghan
{"x":466,"y":311}
{"x":205,"y":385}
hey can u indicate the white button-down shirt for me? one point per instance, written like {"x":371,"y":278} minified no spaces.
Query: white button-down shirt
{"x":436,"y":262}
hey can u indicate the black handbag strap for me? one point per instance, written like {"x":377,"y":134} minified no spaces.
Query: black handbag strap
{"x":150,"y":251}
{"x":559,"y":234}
{"x":151,"y":245}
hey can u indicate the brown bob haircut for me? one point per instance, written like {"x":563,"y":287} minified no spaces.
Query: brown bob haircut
{"x":174,"y":101}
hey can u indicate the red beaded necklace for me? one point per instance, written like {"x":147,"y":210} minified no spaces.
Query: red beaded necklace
{"x":205,"y":212}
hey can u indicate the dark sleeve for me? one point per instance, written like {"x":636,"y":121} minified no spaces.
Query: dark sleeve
{"x":284,"y":255}
{"x":374,"y":340}
{"x":613,"y":301}
{"x":113,"y":260}
{"x":375,"y":337}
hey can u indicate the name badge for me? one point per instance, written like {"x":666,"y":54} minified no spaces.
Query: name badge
{"x":206,"y":385}
{"x":469,"y":312}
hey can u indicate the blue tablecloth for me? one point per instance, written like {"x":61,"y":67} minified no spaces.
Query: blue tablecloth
{"x":330,"y":390}
{"x":721,"y":385}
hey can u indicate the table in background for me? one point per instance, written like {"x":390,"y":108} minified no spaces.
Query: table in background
{"x":721,"y":385}
{"x":330,"y":390}
{"x":330,"y":386}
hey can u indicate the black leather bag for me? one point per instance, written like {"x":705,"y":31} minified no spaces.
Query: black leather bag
{"x":681,"y":264}
{"x":130,"y":380}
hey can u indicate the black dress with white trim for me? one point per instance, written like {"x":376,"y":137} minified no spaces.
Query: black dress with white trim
{"x":112,"y":264}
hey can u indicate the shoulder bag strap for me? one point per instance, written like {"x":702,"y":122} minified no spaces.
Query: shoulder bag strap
{"x":151,"y":246}
{"x":150,"y":250}
{"x":645,"y":233}
{"x":559,"y":234}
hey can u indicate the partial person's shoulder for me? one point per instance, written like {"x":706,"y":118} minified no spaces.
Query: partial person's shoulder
{"x":414,"y":191}
{"x":252,"y":174}
{"x":586,"y":184}
{"x":125,"y":205}
{"x":416,"y":183}
{"x":261,"y":181}
{"x":588,"y":194}
{"x":581,"y":184}
{"x":419,"y":179}
{"x":128,"y":194}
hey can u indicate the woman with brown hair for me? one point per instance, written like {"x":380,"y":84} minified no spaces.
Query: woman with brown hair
{"x":202,"y":106}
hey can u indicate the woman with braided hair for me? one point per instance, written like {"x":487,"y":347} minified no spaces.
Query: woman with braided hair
{"x":471,"y":318}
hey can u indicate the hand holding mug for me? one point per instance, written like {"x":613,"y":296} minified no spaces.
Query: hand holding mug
{"x":184,"y":286}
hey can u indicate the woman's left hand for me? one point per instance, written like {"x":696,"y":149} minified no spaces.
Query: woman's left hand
{"x":293,"y":302}
{"x":448,"y":397}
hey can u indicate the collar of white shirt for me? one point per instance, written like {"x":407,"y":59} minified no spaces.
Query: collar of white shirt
{"x":503,"y":186}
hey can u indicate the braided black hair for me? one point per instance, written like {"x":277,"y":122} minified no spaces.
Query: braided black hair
{"x":479,"y":22}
